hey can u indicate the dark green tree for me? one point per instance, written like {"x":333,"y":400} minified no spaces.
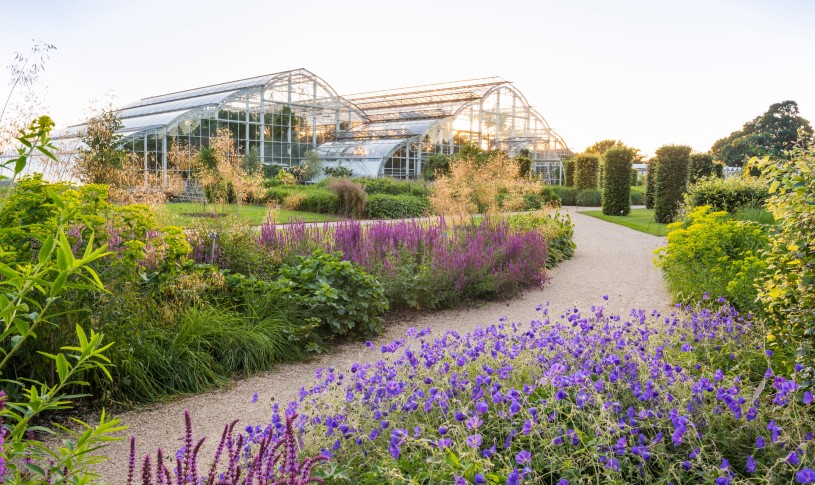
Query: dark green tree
{"x":650,"y":177}
{"x":671,"y":181}
{"x":586,"y":168}
{"x":568,"y":167}
{"x":702,"y":165}
{"x":771,"y":134}
{"x":616,"y":199}
{"x":102,"y":155}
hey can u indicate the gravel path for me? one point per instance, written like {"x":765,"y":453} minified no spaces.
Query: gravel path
{"x":610,"y":259}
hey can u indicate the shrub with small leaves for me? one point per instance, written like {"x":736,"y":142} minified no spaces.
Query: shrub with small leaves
{"x":650,"y":186}
{"x":728,"y":195}
{"x":586,"y":169}
{"x":671,"y":181}
{"x":617,"y":181}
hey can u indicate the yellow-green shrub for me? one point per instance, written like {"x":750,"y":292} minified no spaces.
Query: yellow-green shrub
{"x":710,"y":253}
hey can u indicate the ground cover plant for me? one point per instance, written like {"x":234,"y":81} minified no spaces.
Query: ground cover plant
{"x":687,"y":397}
{"x":640,"y":219}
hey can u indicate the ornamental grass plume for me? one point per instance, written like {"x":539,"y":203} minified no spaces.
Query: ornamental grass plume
{"x":268,"y":457}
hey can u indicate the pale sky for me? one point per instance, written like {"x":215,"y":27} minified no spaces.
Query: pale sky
{"x":646,"y":72}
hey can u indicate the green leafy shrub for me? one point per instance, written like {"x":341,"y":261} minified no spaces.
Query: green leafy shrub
{"x":586,"y":169}
{"x":789,"y":289}
{"x":28,"y":214}
{"x":650,"y":185}
{"x":387,"y":185}
{"x":342,"y":296}
{"x":339,"y":171}
{"x":578,"y":197}
{"x":436,"y":164}
{"x":386,"y":206}
{"x":671,"y":181}
{"x":351,"y":199}
{"x":709,"y":252}
{"x":617,"y":181}
{"x":728,"y":195}
{"x":557,"y":228}
{"x":568,"y":167}
{"x":547,"y":196}
{"x":638,"y":195}
{"x":317,"y":198}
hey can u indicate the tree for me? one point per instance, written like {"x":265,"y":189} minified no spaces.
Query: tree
{"x":312,"y":166}
{"x":671,"y":181}
{"x":601,"y":147}
{"x":702,"y":165}
{"x":103,"y":157}
{"x":617,"y":181}
{"x":586,"y":167}
{"x":771,"y":134}
{"x":650,"y":185}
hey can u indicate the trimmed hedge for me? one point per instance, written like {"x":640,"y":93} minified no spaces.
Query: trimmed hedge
{"x":728,"y":195}
{"x":702,"y":165}
{"x":650,"y":176}
{"x":671,"y":181}
{"x":577,"y":197}
{"x":317,"y":199}
{"x":616,"y":199}
{"x":568,"y":167}
{"x":385,"y":185}
{"x":387,"y":206}
{"x":586,"y":169}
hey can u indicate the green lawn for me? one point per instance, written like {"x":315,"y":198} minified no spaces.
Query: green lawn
{"x":177,"y":213}
{"x":639,"y":219}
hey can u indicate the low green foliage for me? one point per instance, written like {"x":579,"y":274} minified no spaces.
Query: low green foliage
{"x":616,"y":199}
{"x":387,"y":206}
{"x":318,"y":198}
{"x":339,"y":294}
{"x":637,"y":195}
{"x":578,"y":197}
{"x":788,"y":291}
{"x":710,"y":253}
{"x":728,"y":195}
{"x":557,"y":228}
{"x":386,"y":185}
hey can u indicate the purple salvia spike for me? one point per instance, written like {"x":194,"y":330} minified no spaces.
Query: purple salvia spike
{"x":131,"y":461}
{"x":160,"y":468}
{"x":187,"y":442}
{"x":194,"y":460}
{"x":218,"y":451}
{"x":147,"y":474}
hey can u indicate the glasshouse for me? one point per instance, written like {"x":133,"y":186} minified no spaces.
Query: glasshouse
{"x":281,"y":117}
